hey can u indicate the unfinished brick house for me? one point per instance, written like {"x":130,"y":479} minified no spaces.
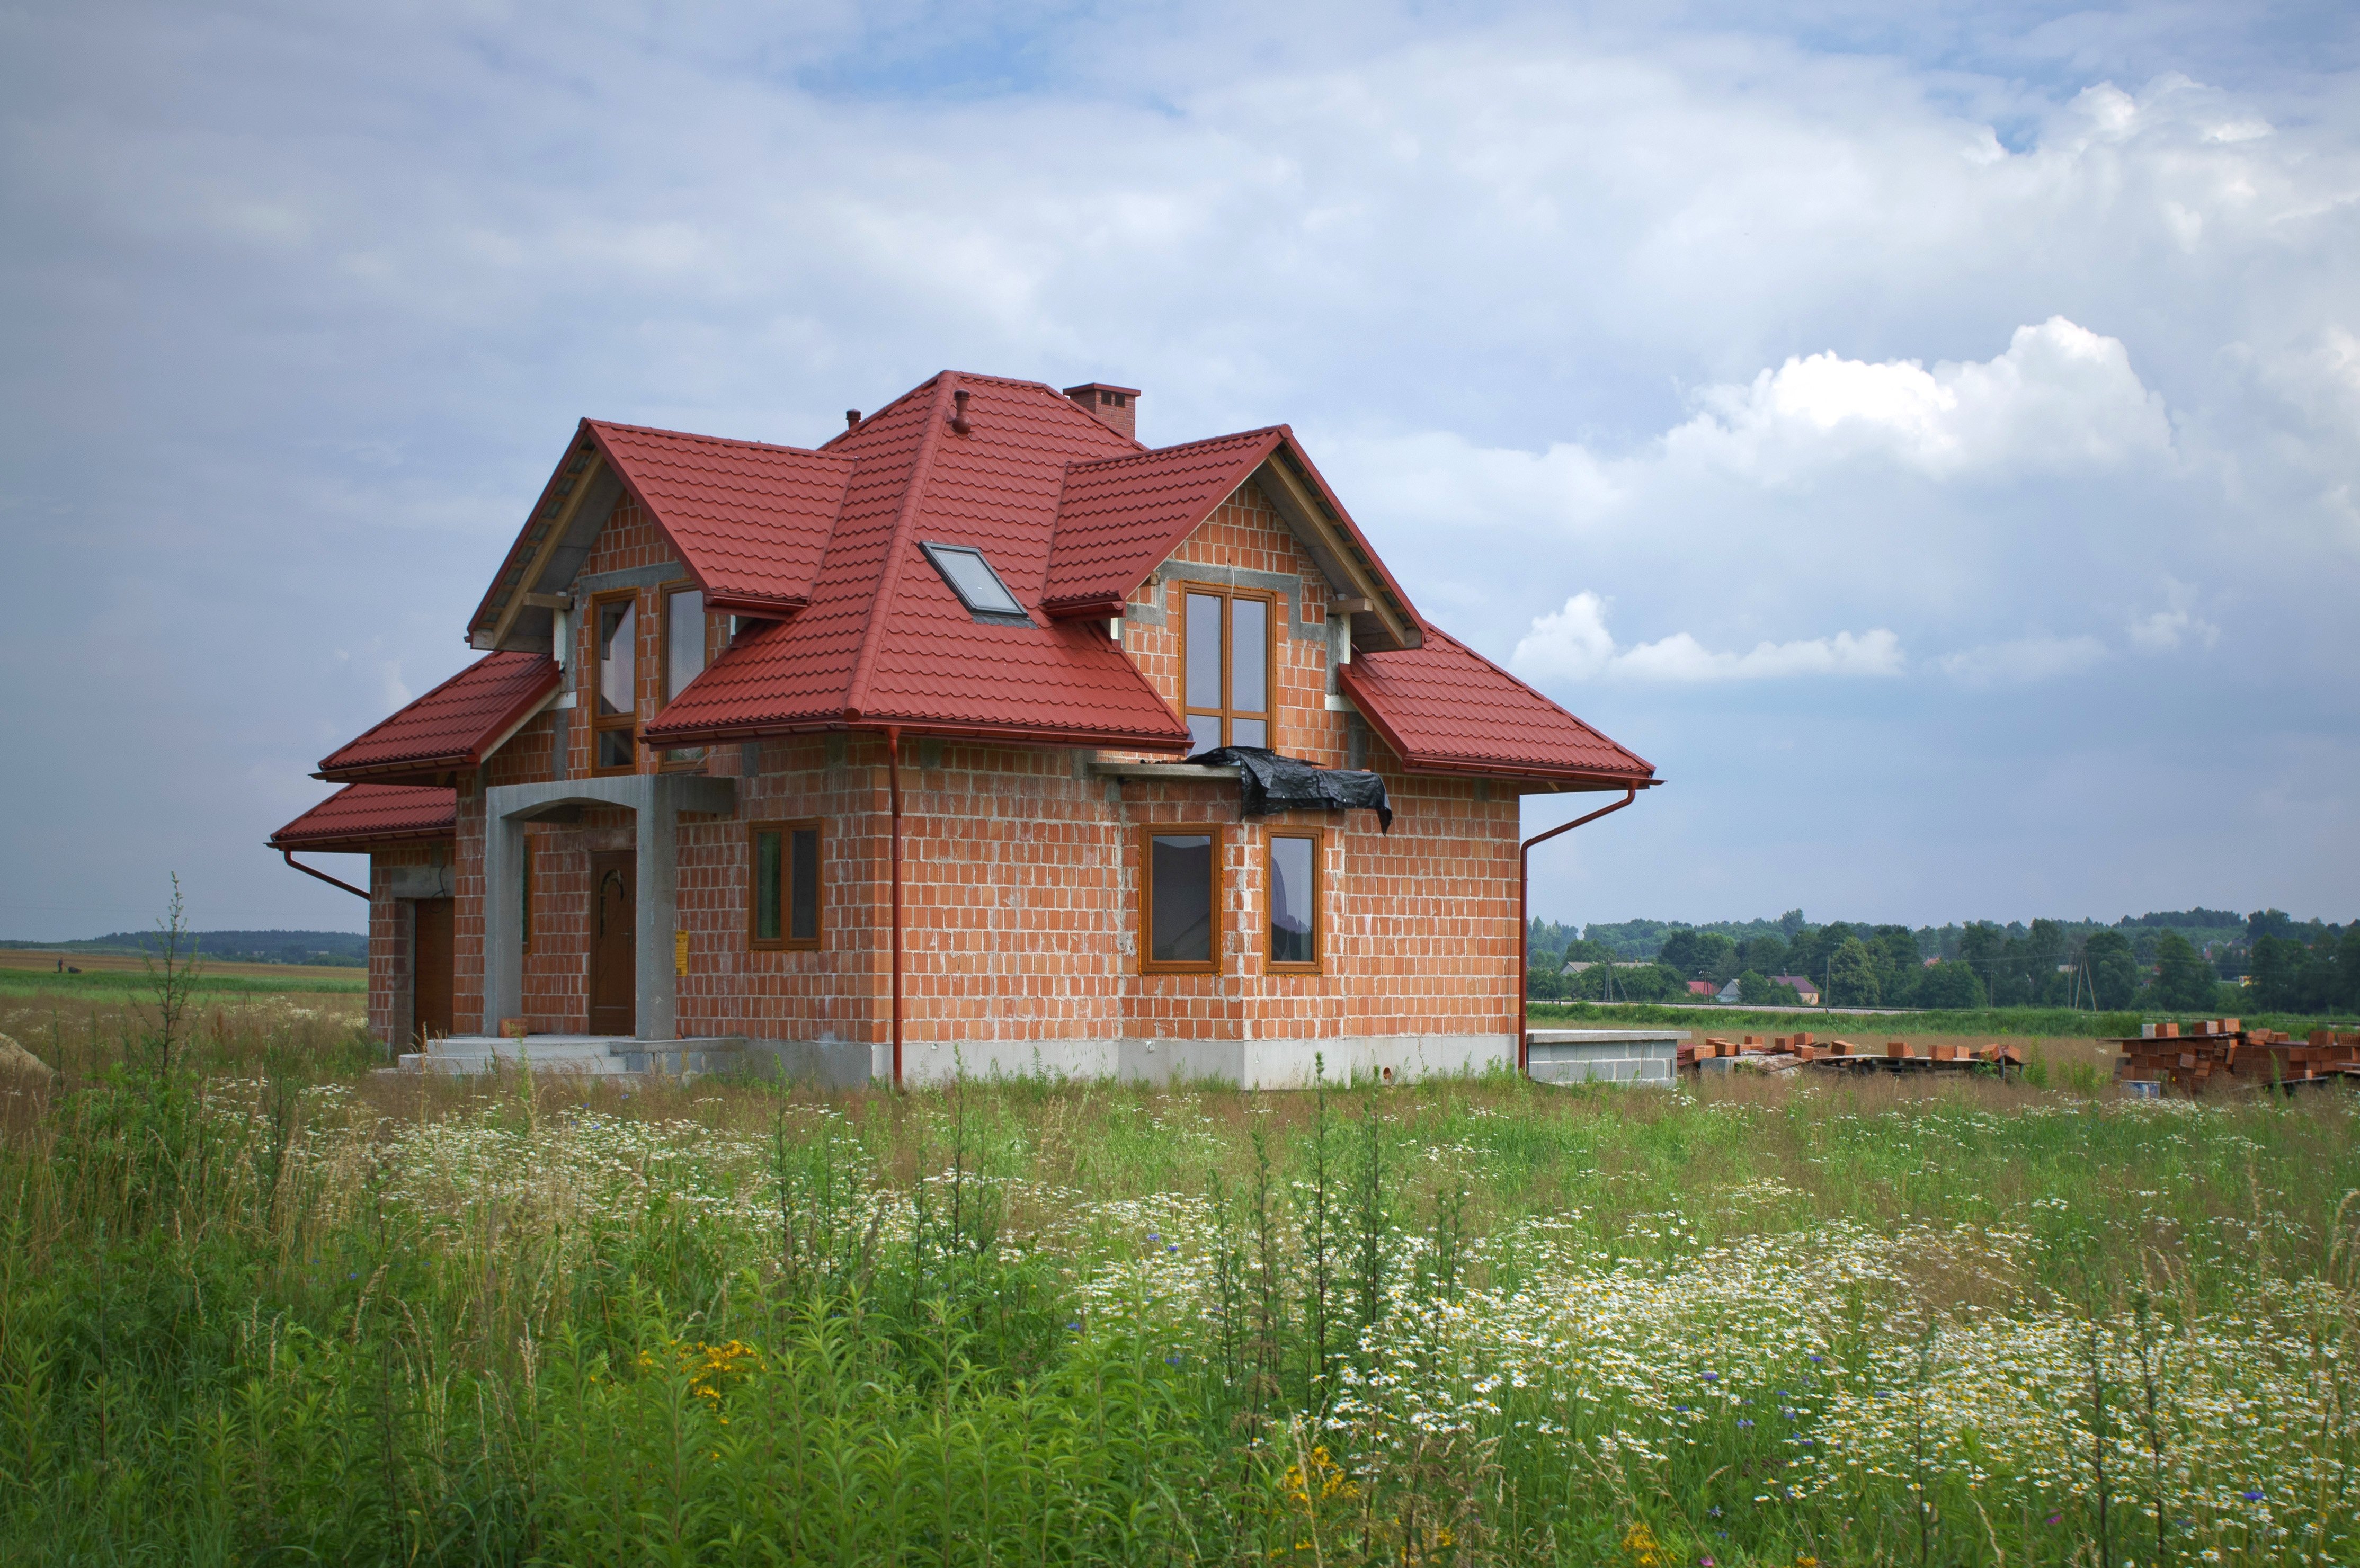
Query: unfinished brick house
{"x":866,"y":759}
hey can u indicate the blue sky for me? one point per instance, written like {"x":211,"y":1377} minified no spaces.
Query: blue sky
{"x":1932,"y":436}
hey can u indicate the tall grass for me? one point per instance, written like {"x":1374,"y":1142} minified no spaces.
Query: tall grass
{"x":260,"y":1304}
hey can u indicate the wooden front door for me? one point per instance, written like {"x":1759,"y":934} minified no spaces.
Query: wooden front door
{"x":614,"y":887}
{"x":429,"y":967}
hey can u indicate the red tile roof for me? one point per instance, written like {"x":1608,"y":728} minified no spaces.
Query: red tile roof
{"x":458,"y":725}
{"x":750,"y":521}
{"x":884,"y":640}
{"x":858,"y":628}
{"x":1447,"y":709}
{"x":360,"y":815}
{"x":1119,"y":517}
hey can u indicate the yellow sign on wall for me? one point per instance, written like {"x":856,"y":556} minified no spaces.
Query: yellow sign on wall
{"x":680,"y":952}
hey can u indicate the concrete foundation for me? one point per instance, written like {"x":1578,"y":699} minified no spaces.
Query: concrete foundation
{"x":1615,"y":1056}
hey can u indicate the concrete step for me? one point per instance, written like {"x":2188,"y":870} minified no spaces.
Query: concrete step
{"x":601,"y":1056}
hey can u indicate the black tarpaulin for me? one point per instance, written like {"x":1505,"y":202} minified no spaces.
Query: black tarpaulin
{"x":1268,"y":782}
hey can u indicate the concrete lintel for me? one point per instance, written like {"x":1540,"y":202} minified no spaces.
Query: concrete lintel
{"x":1169,"y":770}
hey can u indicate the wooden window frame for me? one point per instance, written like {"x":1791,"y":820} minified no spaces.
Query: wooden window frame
{"x":1148,"y":963}
{"x":1273,"y":606}
{"x":679,"y":759}
{"x":600,"y":723}
{"x":786,"y":940}
{"x":1318,"y":837}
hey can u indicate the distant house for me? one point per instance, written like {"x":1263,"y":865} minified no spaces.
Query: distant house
{"x":1803,"y":988}
{"x":1704,"y":988}
{"x":1733,"y":992}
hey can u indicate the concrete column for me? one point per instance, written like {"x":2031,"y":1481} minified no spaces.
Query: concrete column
{"x":502,"y":915}
{"x":655,"y":984}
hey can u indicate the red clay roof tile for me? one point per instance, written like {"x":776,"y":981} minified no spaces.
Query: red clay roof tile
{"x":458,"y":725}
{"x":360,"y":815}
{"x":1119,"y":517}
{"x":750,"y":521}
{"x":1447,"y":709}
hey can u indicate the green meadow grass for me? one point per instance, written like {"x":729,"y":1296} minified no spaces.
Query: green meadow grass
{"x":258,"y":1304}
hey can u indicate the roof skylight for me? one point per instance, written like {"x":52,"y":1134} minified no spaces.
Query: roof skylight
{"x":973,"y":579}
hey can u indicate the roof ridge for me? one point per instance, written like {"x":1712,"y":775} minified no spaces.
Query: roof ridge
{"x":889,"y":576}
{"x":714,"y":441}
{"x":1253,"y":435}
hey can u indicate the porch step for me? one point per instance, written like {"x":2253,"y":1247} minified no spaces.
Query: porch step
{"x":592,"y":1055}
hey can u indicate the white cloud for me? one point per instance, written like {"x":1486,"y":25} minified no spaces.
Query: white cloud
{"x":2024,"y":661}
{"x":1574,"y":643}
{"x":2175,"y":624}
{"x":2062,"y":397}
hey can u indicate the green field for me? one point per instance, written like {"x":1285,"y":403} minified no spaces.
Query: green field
{"x":259,"y":1304}
{"x":1995,"y":1021}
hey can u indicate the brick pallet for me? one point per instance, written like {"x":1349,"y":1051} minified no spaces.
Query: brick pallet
{"x":2218,"y":1053}
{"x":1787,"y":1053}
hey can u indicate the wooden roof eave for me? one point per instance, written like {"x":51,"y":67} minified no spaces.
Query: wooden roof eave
{"x":1341,"y":555}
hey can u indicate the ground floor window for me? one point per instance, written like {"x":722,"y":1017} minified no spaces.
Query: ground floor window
{"x":784,"y":900}
{"x":1294,"y":899}
{"x":1180,"y":898}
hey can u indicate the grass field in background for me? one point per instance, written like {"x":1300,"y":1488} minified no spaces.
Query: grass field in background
{"x":260,"y":1303}
{"x":1985,"y":1022}
{"x":124,"y":977}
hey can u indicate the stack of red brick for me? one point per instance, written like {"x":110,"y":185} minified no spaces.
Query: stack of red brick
{"x":1785,"y":1052}
{"x":2189,"y":1056}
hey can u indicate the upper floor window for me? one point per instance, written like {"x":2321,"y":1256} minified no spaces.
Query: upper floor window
{"x":683,"y":640}
{"x":615,"y":721}
{"x":970,"y":577}
{"x":1225,"y":655}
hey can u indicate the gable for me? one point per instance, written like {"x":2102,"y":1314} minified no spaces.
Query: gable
{"x":1119,"y":519}
{"x":749,"y":521}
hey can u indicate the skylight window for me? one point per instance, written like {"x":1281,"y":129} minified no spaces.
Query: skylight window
{"x":973,"y":579}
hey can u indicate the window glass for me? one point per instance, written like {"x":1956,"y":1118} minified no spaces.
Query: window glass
{"x":1180,"y":917}
{"x":804,"y":899}
{"x":973,"y":579}
{"x":1204,"y":732}
{"x":683,"y":640}
{"x":1248,"y":659}
{"x":1249,"y":732}
{"x":766,"y":846}
{"x":1204,"y":651}
{"x":615,"y":749}
{"x":618,"y":631}
{"x":1293,"y":913}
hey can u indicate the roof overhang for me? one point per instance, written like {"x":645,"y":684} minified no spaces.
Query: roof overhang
{"x":1317,"y":518}
{"x":433,"y":768}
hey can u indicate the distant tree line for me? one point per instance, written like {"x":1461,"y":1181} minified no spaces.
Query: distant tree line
{"x":2152,"y":961}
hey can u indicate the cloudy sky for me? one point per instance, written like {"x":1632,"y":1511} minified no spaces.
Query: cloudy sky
{"x":1932,"y":439}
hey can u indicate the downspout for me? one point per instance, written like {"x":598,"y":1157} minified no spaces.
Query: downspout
{"x":331,"y":881}
{"x":893,"y":775}
{"x":1523,"y":922}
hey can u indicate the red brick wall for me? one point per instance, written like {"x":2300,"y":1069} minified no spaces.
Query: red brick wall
{"x":389,"y":932}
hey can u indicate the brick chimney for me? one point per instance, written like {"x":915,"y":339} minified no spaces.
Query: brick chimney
{"x":1117,"y":405}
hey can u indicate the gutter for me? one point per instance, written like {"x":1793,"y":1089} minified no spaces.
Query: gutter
{"x":1523,"y":923}
{"x":331,"y":881}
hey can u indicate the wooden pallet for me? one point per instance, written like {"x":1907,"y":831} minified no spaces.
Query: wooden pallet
{"x":1787,"y":1052}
